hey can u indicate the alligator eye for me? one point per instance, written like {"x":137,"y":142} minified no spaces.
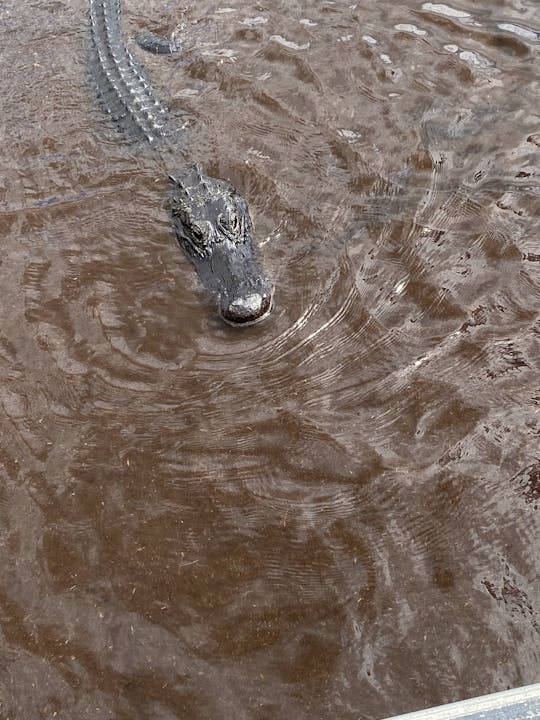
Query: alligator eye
{"x":234,"y":223}
{"x":197,"y":233}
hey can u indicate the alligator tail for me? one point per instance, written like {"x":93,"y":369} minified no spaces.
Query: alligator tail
{"x":120,"y":83}
{"x":157,"y":44}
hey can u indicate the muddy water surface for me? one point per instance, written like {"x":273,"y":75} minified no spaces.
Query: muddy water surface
{"x":333,"y":514}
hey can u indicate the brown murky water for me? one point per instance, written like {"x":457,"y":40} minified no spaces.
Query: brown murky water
{"x":333,"y":514}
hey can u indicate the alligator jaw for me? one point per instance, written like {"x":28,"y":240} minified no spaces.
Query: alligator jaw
{"x":232,"y":275}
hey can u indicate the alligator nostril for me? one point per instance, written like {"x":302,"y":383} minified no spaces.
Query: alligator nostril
{"x":247,"y":309}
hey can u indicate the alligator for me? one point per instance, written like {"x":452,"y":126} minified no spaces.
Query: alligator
{"x":210,"y":218}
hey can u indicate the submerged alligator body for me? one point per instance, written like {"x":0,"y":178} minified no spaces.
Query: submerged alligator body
{"x":211,"y":219}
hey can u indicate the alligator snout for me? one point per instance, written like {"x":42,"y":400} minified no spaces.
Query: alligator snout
{"x":246,"y":309}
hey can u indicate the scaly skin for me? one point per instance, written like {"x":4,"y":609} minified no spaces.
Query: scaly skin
{"x":211,"y":219}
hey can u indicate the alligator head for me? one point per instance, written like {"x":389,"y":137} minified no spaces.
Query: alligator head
{"x":213,"y":226}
